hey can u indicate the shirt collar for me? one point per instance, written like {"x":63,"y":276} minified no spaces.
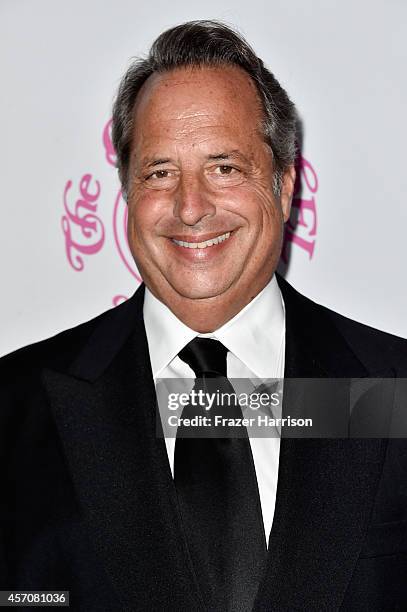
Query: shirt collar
{"x":166,"y":334}
{"x":254,"y":335}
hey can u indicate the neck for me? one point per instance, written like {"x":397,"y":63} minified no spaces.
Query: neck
{"x":206,"y":315}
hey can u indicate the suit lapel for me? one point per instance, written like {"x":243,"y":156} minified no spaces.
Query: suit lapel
{"x":326,"y":487}
{"x":104,"y":408}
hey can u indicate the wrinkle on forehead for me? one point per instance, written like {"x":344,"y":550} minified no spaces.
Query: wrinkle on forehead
{"x":193,"y":115}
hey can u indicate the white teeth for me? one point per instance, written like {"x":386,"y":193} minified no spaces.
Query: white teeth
{"x":202,"y":245}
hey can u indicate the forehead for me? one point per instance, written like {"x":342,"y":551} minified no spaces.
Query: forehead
{"x":192,"y":98}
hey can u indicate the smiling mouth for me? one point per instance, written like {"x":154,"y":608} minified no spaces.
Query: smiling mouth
{"x":202,"y":245}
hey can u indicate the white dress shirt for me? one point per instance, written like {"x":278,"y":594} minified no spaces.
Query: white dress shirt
{"x":255,"y":338}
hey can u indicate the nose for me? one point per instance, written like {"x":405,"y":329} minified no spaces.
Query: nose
{"x":192,"y":200}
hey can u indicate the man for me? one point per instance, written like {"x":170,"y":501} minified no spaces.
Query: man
{"x":93,"y":500}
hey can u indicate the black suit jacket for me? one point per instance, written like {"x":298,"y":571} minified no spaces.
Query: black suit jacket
{"x":88,"y":503}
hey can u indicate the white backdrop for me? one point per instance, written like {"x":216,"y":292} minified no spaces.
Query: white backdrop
{"x":343,"y":63}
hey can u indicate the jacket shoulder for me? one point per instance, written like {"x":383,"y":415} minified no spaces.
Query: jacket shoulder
{"x":375,"y":348}
{"x":57,"y":352}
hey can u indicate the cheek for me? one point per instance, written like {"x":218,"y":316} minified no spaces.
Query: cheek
{"x":145,"y":212}
{"x":257,"y":205}
{"x":269,"y":210}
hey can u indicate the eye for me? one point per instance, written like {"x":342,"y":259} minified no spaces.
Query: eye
{"x":225,"y":170}
{"x":158,"y":174}
{"x":225,"y":175}
{"x":165,"y":178}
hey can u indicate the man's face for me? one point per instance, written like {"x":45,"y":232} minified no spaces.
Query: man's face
{"x":204,"y":223}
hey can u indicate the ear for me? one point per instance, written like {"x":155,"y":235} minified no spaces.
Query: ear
{"x":287,"y":191}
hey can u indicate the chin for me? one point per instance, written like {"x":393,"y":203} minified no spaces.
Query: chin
{"x":199,"y":291}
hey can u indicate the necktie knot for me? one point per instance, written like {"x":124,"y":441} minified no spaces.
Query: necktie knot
{"x":205,"y":356}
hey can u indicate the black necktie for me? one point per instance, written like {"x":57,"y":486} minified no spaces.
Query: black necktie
{"x":218,"y":495}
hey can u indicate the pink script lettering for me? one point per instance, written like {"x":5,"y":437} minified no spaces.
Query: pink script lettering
{"x":303,"y":231}
{"x":83,"y":230}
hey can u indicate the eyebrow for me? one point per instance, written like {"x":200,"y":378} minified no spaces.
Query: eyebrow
{"x":151,"y":163}
{"x":224,"y":155}
{"x":235,"y":154}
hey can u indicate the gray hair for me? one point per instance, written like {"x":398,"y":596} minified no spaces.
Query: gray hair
{"x":206,"y":43}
